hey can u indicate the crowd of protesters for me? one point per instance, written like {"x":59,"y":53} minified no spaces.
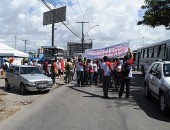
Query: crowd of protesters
{"x":112,"y":72}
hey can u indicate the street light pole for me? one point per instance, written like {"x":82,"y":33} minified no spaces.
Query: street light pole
{"x":91,"y":28}
{"x":15,"y":41}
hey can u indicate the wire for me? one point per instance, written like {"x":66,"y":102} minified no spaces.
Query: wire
{"x":72,"y":8}
{"x":81,"y":9}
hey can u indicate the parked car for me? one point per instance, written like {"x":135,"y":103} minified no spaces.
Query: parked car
{"x":27,"y":78}
{"x":157,"y":84}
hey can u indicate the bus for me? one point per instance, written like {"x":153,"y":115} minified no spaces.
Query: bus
{"x":145,"y":56}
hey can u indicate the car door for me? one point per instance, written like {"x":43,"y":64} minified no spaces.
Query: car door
{"x":10,"y":75}
{"x":157,"y":79}
{"x":151,"y":80}
{"x":16,"y":77}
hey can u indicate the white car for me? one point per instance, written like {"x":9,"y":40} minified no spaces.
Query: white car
{"x":27,"y":78}
{"x":157,"y":84}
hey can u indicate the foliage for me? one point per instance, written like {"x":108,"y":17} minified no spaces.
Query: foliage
{"x":157,"y":13}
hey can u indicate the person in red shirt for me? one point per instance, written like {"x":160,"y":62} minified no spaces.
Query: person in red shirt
{"x":46,"y":68}
{"x":53,"y":70}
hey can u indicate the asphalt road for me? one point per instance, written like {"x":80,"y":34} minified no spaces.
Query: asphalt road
{"x":84,"y":108}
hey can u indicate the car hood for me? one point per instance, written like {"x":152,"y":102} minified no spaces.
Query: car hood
{"x":167,"y":81}
{"x":36,"y":77}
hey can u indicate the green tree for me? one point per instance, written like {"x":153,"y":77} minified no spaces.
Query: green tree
{"x":157,"y":13}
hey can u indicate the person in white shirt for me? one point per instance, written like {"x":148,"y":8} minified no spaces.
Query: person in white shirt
{"x":39,"y":65}
{"x":95,"y":69}
{"x":107,"y":67}
{"x":80,"y":71}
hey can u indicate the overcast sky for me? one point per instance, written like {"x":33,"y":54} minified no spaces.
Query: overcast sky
{"x":117,"y":20}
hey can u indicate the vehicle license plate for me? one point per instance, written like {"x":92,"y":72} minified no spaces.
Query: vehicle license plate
{"x":42,"y":86}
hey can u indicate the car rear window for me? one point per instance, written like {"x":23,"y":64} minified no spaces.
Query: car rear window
{"x":30,"y":70}
{"x":166,"y":70}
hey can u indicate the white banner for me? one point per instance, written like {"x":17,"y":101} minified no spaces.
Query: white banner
{"x":118,"y":50}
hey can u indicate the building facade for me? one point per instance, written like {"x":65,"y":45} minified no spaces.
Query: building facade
{"x":76,"y":48}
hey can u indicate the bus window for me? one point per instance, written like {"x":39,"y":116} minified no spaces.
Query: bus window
{"x":159,"y":50}
{"x":146,"y":53}
{"x":162,"y":51}
{"x":150,"y":52}
{"x":156,"y":51}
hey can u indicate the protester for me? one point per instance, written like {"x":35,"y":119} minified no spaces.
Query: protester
{"x":90,"y":72}
{"x":53,"y":71}
{"x":59,"y":69}
{"x":26,"y":63}
{"x":68,"y":68}
{"x":85,"y":71}
{"x":126,"y":75}
{"x":39,"y":65}
{"x":106,"y":75}
{"x":80,"y":72}
{"x":95,"y":69}
{"x":5,"y":65}
{"x":46,"y":68}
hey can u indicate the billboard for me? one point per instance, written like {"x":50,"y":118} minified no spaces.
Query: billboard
{"x":55,"y":15}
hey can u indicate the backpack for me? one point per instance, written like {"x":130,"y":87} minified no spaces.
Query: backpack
{"x":125,"y":70}
{"x":68,"y":67}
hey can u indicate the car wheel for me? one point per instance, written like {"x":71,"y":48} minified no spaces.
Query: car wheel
{"x":7,"y":85}
{"x":147,"y":92}
{"x":23,"y":89}
{"x":163,"y":103}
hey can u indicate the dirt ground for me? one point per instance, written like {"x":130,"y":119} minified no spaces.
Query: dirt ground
{"x":12,"y":101}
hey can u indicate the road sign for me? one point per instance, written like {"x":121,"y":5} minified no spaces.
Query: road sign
{"x":55,"y":15}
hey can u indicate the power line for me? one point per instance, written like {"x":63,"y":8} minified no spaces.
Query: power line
{"x":81,"y":9}
{"x":72,"y":8}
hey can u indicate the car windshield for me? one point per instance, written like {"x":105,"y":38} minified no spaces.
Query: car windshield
{"x":166,"y":70}
{"x":30,"y":70}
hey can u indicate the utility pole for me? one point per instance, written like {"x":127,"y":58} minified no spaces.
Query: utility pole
{"x":25,"y":44}
{"x":15,"y":41}
{"x":53,"y":27}
{"x":82,"y":39}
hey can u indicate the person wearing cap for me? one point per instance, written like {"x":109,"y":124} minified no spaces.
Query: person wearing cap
{"x":106,"y":67}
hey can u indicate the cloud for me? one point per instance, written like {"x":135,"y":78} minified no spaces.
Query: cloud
{"x":117,"y":20}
